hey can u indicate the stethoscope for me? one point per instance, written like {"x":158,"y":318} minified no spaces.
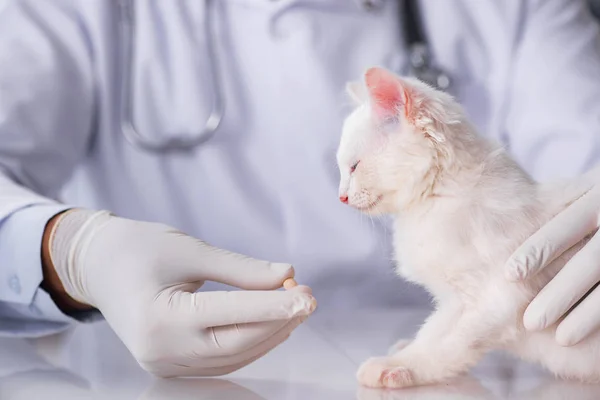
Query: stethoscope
{"x":175,"y":142}
{"x":420,"y":66}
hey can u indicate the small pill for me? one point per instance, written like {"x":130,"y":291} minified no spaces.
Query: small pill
{"x":289,"y":283}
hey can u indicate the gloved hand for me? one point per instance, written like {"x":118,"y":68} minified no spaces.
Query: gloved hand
{"x":143,"y":278}
{"x":579,"y":275}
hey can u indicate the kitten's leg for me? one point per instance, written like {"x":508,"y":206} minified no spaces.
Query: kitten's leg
{"x":435,"y":324}
{"x":447,"y":346}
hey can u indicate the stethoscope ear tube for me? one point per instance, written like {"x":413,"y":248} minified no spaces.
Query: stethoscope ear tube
{"x":175,"y":142}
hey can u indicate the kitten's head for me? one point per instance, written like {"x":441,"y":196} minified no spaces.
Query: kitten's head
{"x":396,"y":142}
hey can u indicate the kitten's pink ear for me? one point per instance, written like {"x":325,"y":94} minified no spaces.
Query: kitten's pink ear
{"x":387,"y":93}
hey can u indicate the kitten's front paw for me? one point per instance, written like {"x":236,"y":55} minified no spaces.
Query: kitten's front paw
{"x":399,"y":345}
{"x":384,"y":372}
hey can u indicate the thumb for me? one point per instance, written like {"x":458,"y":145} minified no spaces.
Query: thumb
{"x":554,"y":238}
{"x":196,"y":260}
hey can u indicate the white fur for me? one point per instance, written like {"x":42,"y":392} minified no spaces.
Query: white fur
{"x":461,"y":207}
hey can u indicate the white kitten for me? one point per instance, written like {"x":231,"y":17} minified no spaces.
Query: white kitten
{"x":461,"y":207}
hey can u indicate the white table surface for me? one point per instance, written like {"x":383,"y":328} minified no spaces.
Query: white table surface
{"x":319,"y":361}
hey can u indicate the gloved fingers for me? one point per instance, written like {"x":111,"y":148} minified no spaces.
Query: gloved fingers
{"x":220,"y":365}
{"x":235,"y":339}
{"x":220,"y":308}
{"x":224,"y":368}
{"x":302,"y":289}
{"x":581,"y":322}
{"x":555,"y":237}
{"x":261,"y":347}
{"x":571,"y":283}
{"x":241,"y":307}
{"x":196,"y":260}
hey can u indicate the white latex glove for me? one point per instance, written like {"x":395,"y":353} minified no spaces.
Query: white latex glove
{"x":143,"y":278}
{"x":577,"y":277}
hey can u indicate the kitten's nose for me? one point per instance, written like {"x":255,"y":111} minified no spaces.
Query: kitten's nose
{"x":344,"y":199}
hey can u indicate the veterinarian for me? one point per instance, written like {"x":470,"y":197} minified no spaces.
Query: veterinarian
{"x":139,"y":140}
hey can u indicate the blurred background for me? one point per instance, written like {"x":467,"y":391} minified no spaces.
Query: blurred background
{"x":595,"y":7}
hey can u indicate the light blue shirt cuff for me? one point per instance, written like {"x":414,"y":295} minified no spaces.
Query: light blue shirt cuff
{"x":25,"y":308}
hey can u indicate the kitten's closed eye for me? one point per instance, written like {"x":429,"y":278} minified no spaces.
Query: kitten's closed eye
{"x":353,"y":168}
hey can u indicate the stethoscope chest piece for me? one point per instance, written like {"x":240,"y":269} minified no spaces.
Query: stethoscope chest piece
{"x":421,"y":67}
{"x":420,"y":63}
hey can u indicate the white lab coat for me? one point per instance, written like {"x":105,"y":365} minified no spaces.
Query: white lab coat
{"x":528,"y":73}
